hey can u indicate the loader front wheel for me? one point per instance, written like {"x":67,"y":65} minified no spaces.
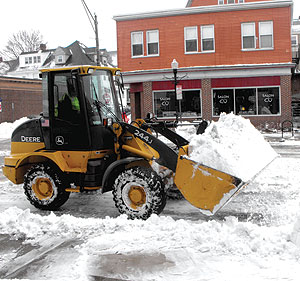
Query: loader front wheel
{"x":139,"y":192}
{"x":44,"y":187}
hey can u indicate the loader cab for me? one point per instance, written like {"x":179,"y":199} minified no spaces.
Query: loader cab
{"x":76,"y":101}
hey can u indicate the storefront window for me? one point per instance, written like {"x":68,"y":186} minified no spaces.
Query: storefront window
{"x":166,"y":105}
{"x":245,"y":101}
{"x":268,"y":101}
{"x":223,"y":101}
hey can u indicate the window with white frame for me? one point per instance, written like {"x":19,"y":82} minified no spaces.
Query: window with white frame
{"x":191,"y":39}
{"x":230,"y":1}
{"x":248,"y":35}
{"x":221,"y":2}
{"x":166,"y":105}
{"x":247,"y":101}
{"x":152,"y":42}
{"x":294,"y":40}
{"x":60,"y":59}
{"x":241,"y":1}
{"x":207,"y":38}
{"x":266,"y":34}
{"x":137,"y":45}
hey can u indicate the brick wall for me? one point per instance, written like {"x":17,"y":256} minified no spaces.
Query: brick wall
{"x":20,"y":98}
{"x":228,"y":42}
{"x":206,"y":99}
{"x":147,"y":99}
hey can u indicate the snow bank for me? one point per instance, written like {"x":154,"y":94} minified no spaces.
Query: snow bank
{"x":186,"y":130}
{"x":7,"y":128}
{"x":295,"y":236}
{"x":232,"y":145}
{"x":181,"y":244}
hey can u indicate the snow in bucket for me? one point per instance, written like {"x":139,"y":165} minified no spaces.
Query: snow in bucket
{"x":232,"y":145}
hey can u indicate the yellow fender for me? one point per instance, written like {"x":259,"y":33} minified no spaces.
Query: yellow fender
{"x":16,"y":165}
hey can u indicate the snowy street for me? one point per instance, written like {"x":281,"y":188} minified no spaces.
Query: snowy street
{"x":249,"y":239}
{"x":256,"y":236}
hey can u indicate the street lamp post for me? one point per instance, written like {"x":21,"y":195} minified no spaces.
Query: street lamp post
{"x":174,"y":66}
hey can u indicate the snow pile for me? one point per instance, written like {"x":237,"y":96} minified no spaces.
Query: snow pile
{"x":232,"y":145}
{"x":7,"y":128}
{"x":186,"y":130}
{"x":160,"y":248}
{"x":295,"y":236}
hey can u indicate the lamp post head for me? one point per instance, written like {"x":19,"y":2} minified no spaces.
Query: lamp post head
{"x":174,"y":64}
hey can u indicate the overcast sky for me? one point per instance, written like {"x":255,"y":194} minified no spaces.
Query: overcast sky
{"x":61,"y":22}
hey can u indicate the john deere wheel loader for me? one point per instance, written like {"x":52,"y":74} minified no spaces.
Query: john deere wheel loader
{"x":80,"y":143}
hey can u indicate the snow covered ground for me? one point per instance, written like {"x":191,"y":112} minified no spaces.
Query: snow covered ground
{"x":255,"y":237}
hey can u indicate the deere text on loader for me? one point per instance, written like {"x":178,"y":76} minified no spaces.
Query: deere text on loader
{"x":80,"y":143}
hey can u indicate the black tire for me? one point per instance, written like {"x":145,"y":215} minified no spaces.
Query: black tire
{"x":139,"y":192}
{"x":44,"y":187}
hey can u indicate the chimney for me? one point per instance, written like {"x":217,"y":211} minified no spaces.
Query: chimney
{"x":43,"y":47}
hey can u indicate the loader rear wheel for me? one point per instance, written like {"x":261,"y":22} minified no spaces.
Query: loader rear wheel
{"x":139,"y":192}
{"x":44,"y":187}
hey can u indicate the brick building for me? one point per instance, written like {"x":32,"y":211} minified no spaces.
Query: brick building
{"x":233,"y":55}
{"x":19,"y":97}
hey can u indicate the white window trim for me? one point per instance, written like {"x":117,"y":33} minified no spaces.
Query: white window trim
{"x":268,"y":48}
{"x":208,"y":51}
{"x":256,"y":91}
{"x":134,"y":44}
{"x":197,"y":40}
{"x":231,"y":3}
{"x":147,"y":32}
{"x":221,"y":2}
{"x":60,"y":59}
{"x":248,"y":49}
{"x":296,"y":36}
{"x":183,"y":90}
{"x":241,"y":1}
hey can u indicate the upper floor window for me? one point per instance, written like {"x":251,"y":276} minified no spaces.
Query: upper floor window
{"x":220,"y":2}
{"x":137,"y":45}
{"x":207,"y":38}
{"x":230,"y":1}
{"x":60,"y":59}
{"x":191,"y":39}
{"x":248,"y":35}
{"x":30,"y":60}
{"x":294,"y":40}
{"x":241,"y":1}
{"x":266,"y":34}
{"x":152,"y":42}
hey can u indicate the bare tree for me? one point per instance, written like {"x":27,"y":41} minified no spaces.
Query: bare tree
{"x":22,"y":41}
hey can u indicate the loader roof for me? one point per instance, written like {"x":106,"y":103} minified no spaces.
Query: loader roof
{"x":84,"y":69}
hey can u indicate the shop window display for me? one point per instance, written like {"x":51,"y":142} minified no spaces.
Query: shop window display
{"x":166,"y":105}
{"x":223,"y":101}
{"x":247,"y":101}
{"x":268,"y":101}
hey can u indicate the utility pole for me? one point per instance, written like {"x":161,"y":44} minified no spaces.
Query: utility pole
{"x":94,"y":23}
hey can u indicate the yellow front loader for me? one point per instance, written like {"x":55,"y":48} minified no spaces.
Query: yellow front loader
{"x":80,"y":143}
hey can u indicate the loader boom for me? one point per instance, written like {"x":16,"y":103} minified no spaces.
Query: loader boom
{"x":204,"y":187}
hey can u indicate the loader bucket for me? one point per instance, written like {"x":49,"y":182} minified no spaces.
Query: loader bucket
{"x":204,"y":187}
